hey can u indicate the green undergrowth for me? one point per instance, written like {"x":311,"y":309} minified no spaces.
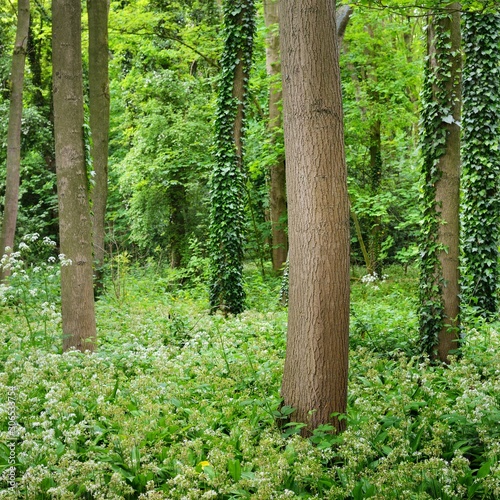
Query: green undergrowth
{"x":180,"y":404}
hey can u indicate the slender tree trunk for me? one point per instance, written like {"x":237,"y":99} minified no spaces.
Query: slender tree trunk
{"x":448,"y":197}
{"x":440,"y":306}
{"x":177,"y":227}
{"x":316,"y":366}
{"x":77,"y":298}
{"x":278,"y":177}
{"x":99,"y":125}
{"x":14,"y":133}
{"x":342,"y":16}
{"x":375,"y":178}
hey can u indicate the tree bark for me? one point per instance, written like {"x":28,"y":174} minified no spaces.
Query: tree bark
{"x":99,"y":125}
{"x":448,"y":197}
{"x":375,"y":178}
{"x":277,"y":196}
{"x":342,"y":17}
{"x":12,"y":182}
{"x":448,"y":186}
{"x":316,"y":366}
{"x":177,"y":228}
{"x":77,"y":298}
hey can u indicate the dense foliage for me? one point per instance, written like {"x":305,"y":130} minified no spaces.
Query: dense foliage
{"x":164,"y":70}
{"x":381,"y":125}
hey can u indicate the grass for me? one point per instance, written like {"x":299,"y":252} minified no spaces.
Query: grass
{"x":178,"y":404}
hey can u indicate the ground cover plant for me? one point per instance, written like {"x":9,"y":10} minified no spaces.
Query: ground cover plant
{"x":180,"y":404}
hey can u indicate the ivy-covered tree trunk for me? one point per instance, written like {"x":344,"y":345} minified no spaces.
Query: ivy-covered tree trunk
{"x":316,"y":365}
{"x":481,"y":161}
{"x":278,"y":177}
{"x":99,"y":125}
{"x":227,"y":183}
{"x":441,"y":103}
{"x":9,"y":220}
{"x":77,"y":297}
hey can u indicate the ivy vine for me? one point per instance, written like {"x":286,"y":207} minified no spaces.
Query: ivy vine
{"x":228,"y":178}
{"x":436,"y":111}
{"x":481,"y":161}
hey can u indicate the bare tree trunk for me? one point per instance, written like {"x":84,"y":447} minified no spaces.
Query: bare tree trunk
{"x":316,"y":366}
{"x":77,"y":298}
{"x":375,"y":178}
{"x":14,"y":133}
{"x":342,"y":17}
{"x":99,"y":125}
{"x":177,"y":228}
{"x":278,"y":177}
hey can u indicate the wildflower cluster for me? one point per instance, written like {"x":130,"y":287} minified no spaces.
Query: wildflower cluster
{"x":372,"y":279}
{"x":32,"y":289}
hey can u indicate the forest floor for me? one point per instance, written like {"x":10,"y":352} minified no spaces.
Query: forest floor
{"x":180,"y":404}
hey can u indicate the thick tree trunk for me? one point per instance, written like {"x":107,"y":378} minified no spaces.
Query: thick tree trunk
{"x":316,"y":366}
{"x":99,"y":125}
{"x":12,"y":182}
{"x":77,"y":298}
{"x":278,"y":177}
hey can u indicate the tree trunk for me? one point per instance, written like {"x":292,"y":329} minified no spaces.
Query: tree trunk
{"x":228,"y":188}
{"x":77,"y":299}
{"x":342,"y":16}
{"x":448,"y":196}
{"x":99,"y":125}
{"x":375,"y":178}
{"x":316,"y":366}
{"x":177,"y":227}
{"x":277,"y":200}
{"x":439,"y":315}
{"x":14,"y":133}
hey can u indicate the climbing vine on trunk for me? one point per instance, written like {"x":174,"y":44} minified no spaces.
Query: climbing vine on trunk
{"x":227,"y":183}
{"x":440,"y":143}
{"x":481,"y":161}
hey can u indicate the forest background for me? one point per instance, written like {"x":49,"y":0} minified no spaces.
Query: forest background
{"x":182,"y":404}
